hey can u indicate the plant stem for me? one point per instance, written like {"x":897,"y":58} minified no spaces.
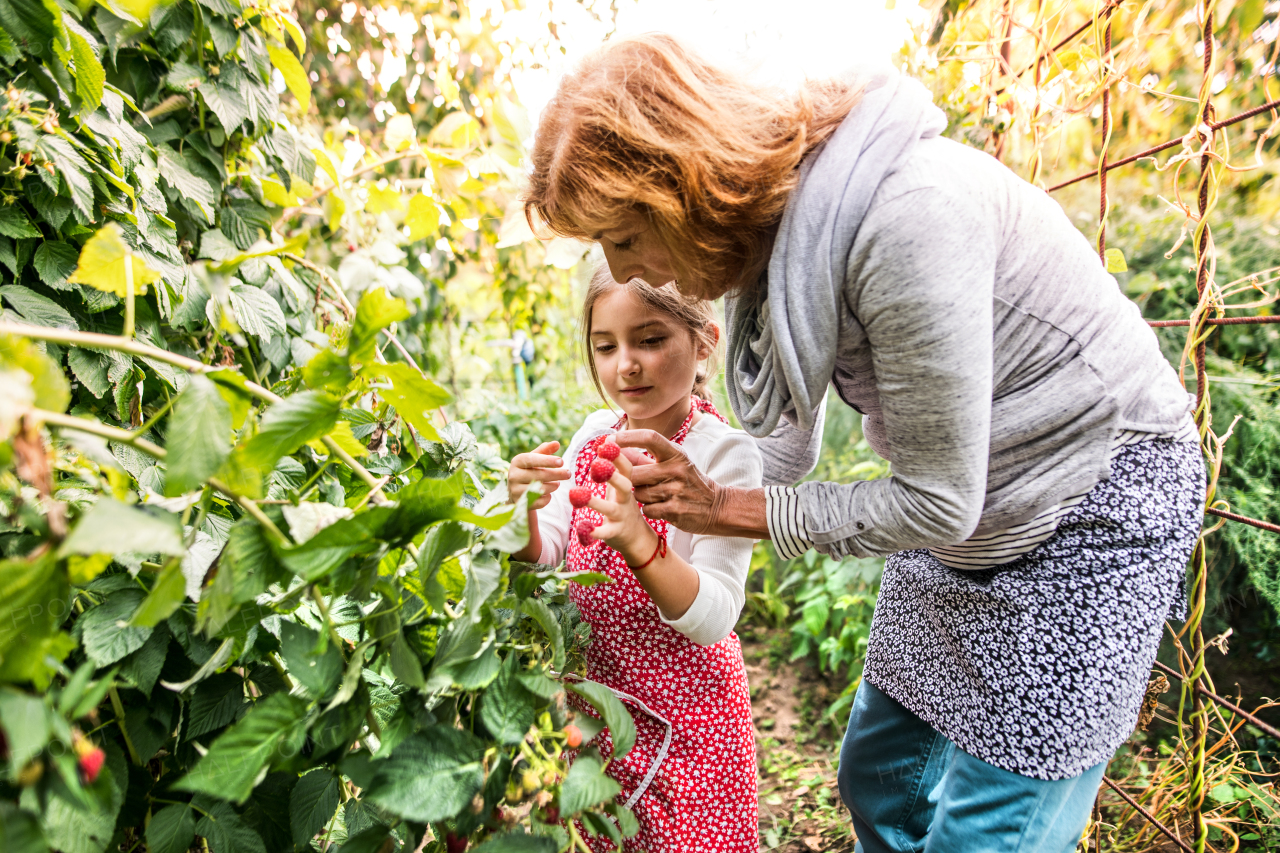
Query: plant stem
{"x":125,"y":437}
{"x":128,"y":292}
{"x":372,"y":167}
{"x":118,"y":707}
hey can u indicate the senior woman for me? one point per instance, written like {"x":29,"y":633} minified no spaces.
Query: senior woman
{"x":1046,"y":478}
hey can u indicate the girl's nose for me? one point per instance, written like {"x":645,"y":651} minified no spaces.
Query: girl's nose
{"x":627,"y":365}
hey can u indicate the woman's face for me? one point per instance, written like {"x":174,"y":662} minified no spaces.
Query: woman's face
{"x":632,"y":250}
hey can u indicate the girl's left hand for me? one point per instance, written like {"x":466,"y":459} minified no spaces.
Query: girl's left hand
{"x":625,"y":528}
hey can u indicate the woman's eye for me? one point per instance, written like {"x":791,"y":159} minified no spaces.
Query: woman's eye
{"x":624,"y":245}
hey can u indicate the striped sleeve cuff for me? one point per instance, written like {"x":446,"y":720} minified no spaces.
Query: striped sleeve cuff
{"x":787,"y":528}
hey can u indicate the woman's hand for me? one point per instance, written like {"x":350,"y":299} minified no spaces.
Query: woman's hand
{"x":539,"y":466}
{"x":625,"y":528}
{"x":672,"y":487}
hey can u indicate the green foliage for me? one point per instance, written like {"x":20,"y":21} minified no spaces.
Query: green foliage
{"x":244,"y":549}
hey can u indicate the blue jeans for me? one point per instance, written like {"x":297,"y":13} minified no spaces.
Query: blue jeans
{"x":908,"y":788}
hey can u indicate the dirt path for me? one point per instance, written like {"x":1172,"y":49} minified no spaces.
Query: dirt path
{"x":800,"y":808}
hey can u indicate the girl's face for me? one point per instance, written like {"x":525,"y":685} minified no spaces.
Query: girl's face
{"x":646,"y":362}
{"x":632,"y":250}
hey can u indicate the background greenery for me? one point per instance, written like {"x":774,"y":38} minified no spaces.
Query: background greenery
{"x":253,"y":547}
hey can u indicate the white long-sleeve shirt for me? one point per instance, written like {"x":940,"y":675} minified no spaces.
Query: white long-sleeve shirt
{"x":726,"y":455}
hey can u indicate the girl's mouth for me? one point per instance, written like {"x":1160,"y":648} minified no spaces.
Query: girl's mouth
{"x":636,"y":391}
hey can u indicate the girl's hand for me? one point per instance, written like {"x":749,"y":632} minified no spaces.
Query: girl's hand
{"x":625,"y":528}
{"x":538,"y":466}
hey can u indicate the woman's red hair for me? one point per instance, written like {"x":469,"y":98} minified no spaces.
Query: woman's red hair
{"x":645,"y":125}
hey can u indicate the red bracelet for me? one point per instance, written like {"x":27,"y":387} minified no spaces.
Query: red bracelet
{"x":661,"y":550}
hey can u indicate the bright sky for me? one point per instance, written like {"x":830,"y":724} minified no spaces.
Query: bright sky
{"x":776,"y":42}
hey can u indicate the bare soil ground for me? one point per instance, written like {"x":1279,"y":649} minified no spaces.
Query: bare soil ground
{"x":800,"y":808}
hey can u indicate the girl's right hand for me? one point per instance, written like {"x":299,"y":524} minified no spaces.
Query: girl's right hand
{"x":539,"y":466}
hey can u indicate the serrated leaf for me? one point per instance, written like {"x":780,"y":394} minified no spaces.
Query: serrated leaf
{"x":257,"y":313}
{"x":20,"y":830}
{"x":622,"y":728}
{"x":54,"y":262}
{"x":538,"y":610}
{"x":111,"y":527}
{"x":177,"y":173}
{"x":199,"y":436}
{"x":225,"y":830}
{"x":15,"y":223}
{"x":295,"y":76}
{"x":106,"y":260}
{"x":105,"y":630}
{"x":507,"y":709}
{"x":383,"y":200}
{"x":312,"y":804}
{"x":376,"y":311}
{"x":288,"y":425}
{"x":318,"y":671}
{"x":172,"y":829}
{"x":37,"y":309}
{"x":89,"y":74}
{"x":586,"y":786}
{"x":432,"y":776}
{"x":415,"y":397}
{"x":516,"y":841}
{"x":270,"y":733}
{"x":165,"y":597}
{"x":216,"y":703}
{"x":226,"y":102}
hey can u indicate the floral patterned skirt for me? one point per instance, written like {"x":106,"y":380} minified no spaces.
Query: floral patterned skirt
{"x":1040,"y":666}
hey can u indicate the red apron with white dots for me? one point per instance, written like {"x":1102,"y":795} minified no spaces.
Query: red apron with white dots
{"x":703,"y":794}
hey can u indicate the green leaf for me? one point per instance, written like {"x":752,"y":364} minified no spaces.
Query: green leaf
{"x":586,"y":786}
{"x":312,"y":804}
{"x":105,"y":630}
{"x":20,"y":830}
{"x":1115,"y":261}
{"x":111,"y":527}
{"x":622,"y":728}
{"x":14,"y":223}
{"x":432,"y":776}
{"x":199,"y":436}
{"x":106,"y":261}
{"x":90,"y":368}
{"x":142,"y":668}
{"x":550,"y":625}
{"x":216,"y":703}
{"x":52,"y":391}
{"x":227,"y":103}
{"x":405,"y":664}
{"x":327,"y":371}
{"x":37,"y":309}
{"x":257,"y":313}
{"x":517,"y":841}
{"x":295,"y":76}
{"x":423,"y":217}
{"x":27,"y":722}
{"x":176,"y":172}
{"x":288,"y":425}
{"x":165,"y":597}
{"x":414,"y":397}
{"x":172,"y":829}
{"x":317,"y":666}
{"x":54,"y":262}
{"x":226,"y":831}
{"x":89,"y":74}
{"x":507,"y":709}
{"x":376,"y":311}
{"x":270,"y":733}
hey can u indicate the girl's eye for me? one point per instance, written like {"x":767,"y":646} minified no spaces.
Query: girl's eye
{"x":652,"y":342}
{"x":604,"y":349}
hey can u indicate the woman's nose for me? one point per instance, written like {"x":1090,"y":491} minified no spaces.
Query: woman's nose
{"x":622,"y":270}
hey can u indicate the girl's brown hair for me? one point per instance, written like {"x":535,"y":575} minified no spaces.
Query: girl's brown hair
{"x":693,"y":315}
{"x":646,"y":125}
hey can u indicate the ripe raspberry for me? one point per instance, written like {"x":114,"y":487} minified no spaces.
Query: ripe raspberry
{"x":91,"y":764}
{"x":602,"y":470}
{"x":553,"y":814}
{"x":583,"y":529}
{"x":573,"y":736}
{"x":454,"y":844}
{"x":580,"y":496}
{"x":609,"y":450}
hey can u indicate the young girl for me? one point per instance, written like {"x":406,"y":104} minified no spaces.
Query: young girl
{"x":662,"y":632}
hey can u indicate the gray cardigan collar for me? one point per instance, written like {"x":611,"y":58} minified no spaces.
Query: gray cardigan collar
{"x":782,"y":337}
